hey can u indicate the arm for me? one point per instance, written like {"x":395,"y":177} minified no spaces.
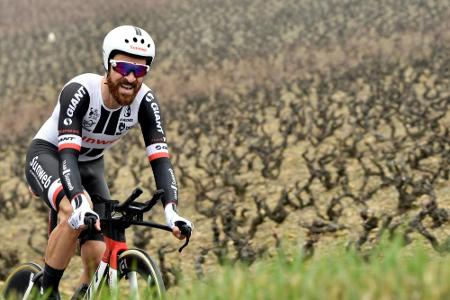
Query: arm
{"x":74,"y":102}
{"x":149,"y":117}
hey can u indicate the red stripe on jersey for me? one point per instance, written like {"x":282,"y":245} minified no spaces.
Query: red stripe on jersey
{"x":158,"y":155}
{"x":69,"y":146}
{"x":55,"y":195}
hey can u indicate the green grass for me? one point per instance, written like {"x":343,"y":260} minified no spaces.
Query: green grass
{"x":391,"y":271}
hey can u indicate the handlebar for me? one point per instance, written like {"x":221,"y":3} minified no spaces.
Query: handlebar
{"x":134,"y":195}
{"x":130,"y":206}
{"x":131,"y":213}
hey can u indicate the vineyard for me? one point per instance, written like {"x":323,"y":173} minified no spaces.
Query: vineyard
{"x":294,"y":121}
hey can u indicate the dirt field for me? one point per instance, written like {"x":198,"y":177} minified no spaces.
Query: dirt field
{"x":305,"y":122}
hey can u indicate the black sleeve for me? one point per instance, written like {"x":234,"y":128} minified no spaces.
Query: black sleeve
{"x":74,"y":103}
{"x":149,"y":117}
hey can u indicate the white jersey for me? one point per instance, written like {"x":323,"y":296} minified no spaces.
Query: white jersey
{"x":101,"y":127}
{"x":82,"y":127}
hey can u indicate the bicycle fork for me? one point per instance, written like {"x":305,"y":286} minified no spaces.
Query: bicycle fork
{"x":108,"y":266}
{"x":29,"y":287}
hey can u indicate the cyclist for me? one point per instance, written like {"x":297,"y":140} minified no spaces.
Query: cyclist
{"x":65,"y":164}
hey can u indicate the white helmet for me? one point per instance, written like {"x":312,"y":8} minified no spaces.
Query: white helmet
{"x":129,"y":40}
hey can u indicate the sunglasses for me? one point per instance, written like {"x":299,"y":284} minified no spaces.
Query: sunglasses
{"x":124,"y":68}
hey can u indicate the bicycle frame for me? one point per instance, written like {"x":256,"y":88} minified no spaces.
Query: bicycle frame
{"x":114,"y":236}
{"x":115,"y":244}
{"x":107,"y":268}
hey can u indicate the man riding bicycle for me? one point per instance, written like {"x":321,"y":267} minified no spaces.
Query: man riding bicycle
{"x":65,"y":162}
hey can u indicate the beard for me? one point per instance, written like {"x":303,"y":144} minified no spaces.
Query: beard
{"x":122,"y":99}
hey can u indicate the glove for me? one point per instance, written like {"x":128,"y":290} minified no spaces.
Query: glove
{"x":172,"y":217}
{"x":81,"y":209}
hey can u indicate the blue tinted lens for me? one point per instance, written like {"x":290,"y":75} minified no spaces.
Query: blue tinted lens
{"x":124,"y":68}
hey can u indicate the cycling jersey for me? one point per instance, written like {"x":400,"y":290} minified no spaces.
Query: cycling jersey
{"x":82,"y":128}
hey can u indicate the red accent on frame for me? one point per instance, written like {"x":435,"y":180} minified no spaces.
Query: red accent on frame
{"x":113,"y":248}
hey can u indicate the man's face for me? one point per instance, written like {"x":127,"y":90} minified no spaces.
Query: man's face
{"x":124,"y":88}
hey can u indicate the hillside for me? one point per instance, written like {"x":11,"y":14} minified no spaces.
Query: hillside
{"x":311,"y":122}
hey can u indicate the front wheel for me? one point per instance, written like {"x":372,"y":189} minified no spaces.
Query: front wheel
{"x":139,"y":276}
{"x":20,"y":284}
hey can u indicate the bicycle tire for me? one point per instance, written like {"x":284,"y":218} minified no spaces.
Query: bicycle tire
{"x":18,"y":281}
{"x":139,"y":263}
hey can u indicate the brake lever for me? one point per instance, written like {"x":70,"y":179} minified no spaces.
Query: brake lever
{"x":186,"y":231}
{"x":185,"y":244}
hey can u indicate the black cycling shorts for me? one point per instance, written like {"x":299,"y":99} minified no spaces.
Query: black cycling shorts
{"x":42,"y":173}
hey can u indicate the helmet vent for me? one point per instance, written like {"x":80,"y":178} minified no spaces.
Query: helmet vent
{"x":142,"y":41}
{"x":127,"y":41}
{"x":148,"y":45}
{"x":135,"y":40}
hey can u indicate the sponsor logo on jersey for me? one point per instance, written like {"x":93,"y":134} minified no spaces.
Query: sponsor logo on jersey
{"x":66,"y":174}
{"x":122,"y":127}
{"x":92,"y":118}
{"x":126,"y":119}
{"x":67,"y":121}
{"x":161,"y":147}
{"x":88,"y":124}
{"x":65,"y":131}
{"x":127,"y":113}
{"x":149,"y":97}
{"x":66,"y":138}
{"x":173,"y":184}
{"x":71,"y":141}
{"x":156,"y":112}
{"x":40,"y":173}
{"x":158,"y":150}
{"x":74,"y":101}
{"x":96,"y":141}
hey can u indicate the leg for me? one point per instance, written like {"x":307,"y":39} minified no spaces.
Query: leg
{"x":42,"y":173}
{"x":92,"y":245}
{"x":63,"y":239}
{"x":91,"y":255}
{"x":60,"y":249}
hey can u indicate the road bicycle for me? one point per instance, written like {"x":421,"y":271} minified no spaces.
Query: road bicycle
{"x":122,"y":272}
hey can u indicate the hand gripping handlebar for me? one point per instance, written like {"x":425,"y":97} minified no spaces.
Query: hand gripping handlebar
{"x":186,"y":231}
